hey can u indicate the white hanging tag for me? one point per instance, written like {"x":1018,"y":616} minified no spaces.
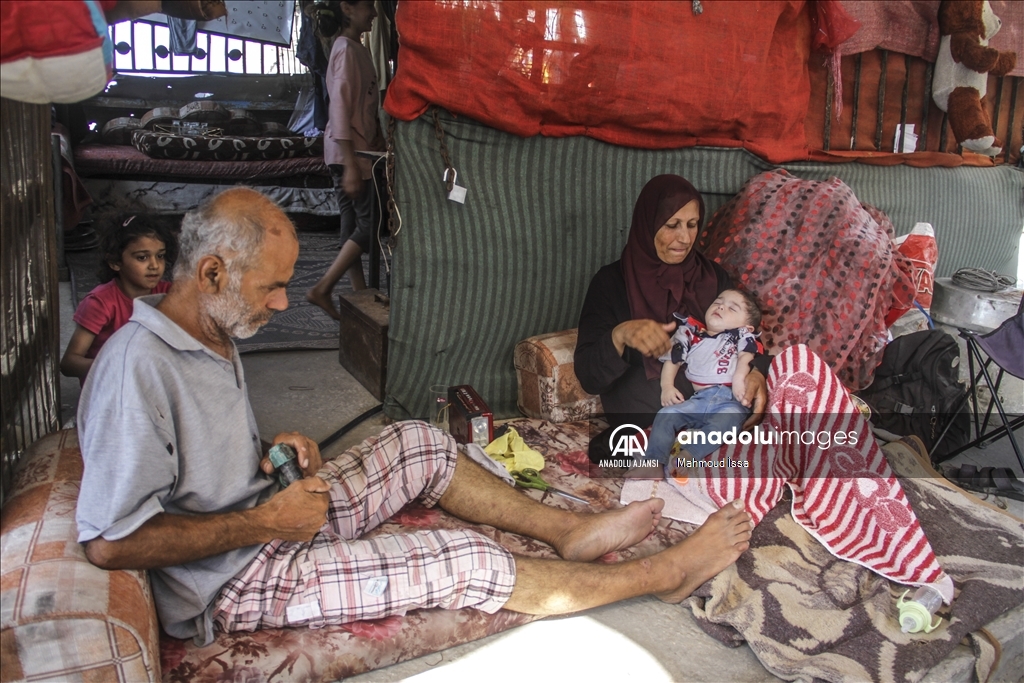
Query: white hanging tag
{"x":376,"y":586}
{"x":458,"y":193}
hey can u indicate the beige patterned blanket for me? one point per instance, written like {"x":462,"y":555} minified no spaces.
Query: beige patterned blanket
{"x":807,"y":615}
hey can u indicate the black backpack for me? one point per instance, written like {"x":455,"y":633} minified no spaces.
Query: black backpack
{"x":917,"y":390}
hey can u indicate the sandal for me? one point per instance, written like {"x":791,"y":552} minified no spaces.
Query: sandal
{"x":998,"y":481}
{"x":1007,"y":483}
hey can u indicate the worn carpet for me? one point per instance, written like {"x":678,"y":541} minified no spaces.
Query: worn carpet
{"x":302,"y":326}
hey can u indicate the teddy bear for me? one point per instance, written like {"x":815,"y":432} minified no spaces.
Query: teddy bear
{"x":962,"y":67}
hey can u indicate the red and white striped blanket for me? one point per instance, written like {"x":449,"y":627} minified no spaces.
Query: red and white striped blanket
{"x":844,"y":493}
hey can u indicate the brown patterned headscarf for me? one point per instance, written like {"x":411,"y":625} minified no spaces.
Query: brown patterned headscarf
{"x":654,"y":288}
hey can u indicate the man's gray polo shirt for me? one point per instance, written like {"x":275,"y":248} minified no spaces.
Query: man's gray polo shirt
{"x":165,"y":426}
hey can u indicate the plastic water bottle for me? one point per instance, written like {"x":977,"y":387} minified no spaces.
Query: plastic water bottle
{"x":282,"y":457}
{"x":916,"y":613}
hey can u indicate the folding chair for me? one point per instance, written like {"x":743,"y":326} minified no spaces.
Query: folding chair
{"x":1004,"y":346}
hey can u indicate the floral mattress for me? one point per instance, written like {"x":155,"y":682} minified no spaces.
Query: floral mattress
{"x":804,"y":613}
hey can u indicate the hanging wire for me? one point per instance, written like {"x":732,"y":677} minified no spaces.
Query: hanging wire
{"x":396,"y":217}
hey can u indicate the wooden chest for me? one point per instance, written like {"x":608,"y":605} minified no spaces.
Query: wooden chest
{"x":363,"y":346}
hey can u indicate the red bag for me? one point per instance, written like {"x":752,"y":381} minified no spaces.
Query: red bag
{"x":923,"y":251}
{"x":54,"y":51}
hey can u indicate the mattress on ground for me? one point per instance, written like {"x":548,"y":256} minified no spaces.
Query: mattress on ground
{"x":542,"y":215}
{"x":177,"y":197}
{"x":804,"y":613}
{"x":126,"y":161}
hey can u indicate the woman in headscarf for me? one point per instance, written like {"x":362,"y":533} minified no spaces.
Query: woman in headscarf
{"x":626,"y":321}
{"x":624,"y":328}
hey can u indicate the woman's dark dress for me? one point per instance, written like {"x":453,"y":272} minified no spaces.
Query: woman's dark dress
{"x":621,"y":381}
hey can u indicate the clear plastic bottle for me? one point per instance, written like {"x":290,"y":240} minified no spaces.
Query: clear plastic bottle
{"x":916,"y":613}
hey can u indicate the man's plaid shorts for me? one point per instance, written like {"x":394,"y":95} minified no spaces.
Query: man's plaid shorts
{"x":335,"y":579}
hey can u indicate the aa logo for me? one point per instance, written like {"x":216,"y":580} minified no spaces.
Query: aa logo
{"x":628,"y":441}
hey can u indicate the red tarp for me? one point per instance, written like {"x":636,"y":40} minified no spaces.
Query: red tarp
{"x":640,"y":74}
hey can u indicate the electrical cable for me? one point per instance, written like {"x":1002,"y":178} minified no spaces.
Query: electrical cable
{"x":931,"y":324}
{"x":982,"y":280}
{"x":350,"y":426}
{"x":398,"y":217}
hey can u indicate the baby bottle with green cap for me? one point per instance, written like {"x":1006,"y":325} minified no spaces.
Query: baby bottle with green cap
{"x":916,"y":613}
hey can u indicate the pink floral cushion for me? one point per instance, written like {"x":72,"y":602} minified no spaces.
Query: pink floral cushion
{"x":63,"y":618}
{"x":548,"y":387}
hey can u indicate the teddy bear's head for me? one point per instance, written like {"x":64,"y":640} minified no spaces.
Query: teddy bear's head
{"x":974,"y":17}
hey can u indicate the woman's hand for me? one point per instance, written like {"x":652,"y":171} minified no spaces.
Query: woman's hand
{"x":755,"y":397}
{"x":646,"y":336}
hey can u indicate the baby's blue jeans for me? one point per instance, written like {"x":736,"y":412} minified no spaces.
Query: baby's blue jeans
{"x":710,"y":409}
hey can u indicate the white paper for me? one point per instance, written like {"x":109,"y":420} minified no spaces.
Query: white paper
{"x":304,"y":612}
{"x":909,"y":139}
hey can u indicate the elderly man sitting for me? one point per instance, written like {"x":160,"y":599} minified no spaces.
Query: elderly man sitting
{"x":175,"y":480}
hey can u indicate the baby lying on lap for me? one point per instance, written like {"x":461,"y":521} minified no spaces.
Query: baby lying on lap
{"x":717,"y":357}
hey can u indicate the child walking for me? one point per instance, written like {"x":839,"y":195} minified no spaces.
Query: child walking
{"x":135,"y":252}
{"x":351,"y":85}
{"x":717,"y":357}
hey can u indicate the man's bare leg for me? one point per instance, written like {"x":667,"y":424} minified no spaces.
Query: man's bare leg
{"x":476,"y":495}
{"x":558,"y":587}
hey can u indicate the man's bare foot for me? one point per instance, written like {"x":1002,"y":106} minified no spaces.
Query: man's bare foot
{"x":597,"y":534}
{"x":714,"y":546}
{"x":323,"y":300}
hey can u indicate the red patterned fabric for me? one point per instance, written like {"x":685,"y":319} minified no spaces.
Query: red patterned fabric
{"x":845,"y":494}
{"x":640,"y":74}
{"x":911,"y":27}
{"x":821,"y":264}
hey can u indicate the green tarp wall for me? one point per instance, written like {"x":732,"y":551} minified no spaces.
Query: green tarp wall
{"x":543,"y":214}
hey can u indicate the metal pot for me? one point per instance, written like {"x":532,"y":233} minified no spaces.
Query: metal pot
{"x":958,"y":306}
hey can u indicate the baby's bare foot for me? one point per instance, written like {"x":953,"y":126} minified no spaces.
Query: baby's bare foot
{"x":605,"y":532}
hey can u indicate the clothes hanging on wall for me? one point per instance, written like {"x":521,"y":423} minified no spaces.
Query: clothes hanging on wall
{"x":379,"y":43}
{"x":183,"y":36}
{"x":47,"y":56}
{"x":310,"y":54}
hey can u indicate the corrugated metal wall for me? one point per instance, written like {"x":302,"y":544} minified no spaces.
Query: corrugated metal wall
{"x":29,"y":323}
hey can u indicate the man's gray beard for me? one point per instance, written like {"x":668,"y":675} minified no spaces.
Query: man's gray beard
{"x":232,"y":314}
